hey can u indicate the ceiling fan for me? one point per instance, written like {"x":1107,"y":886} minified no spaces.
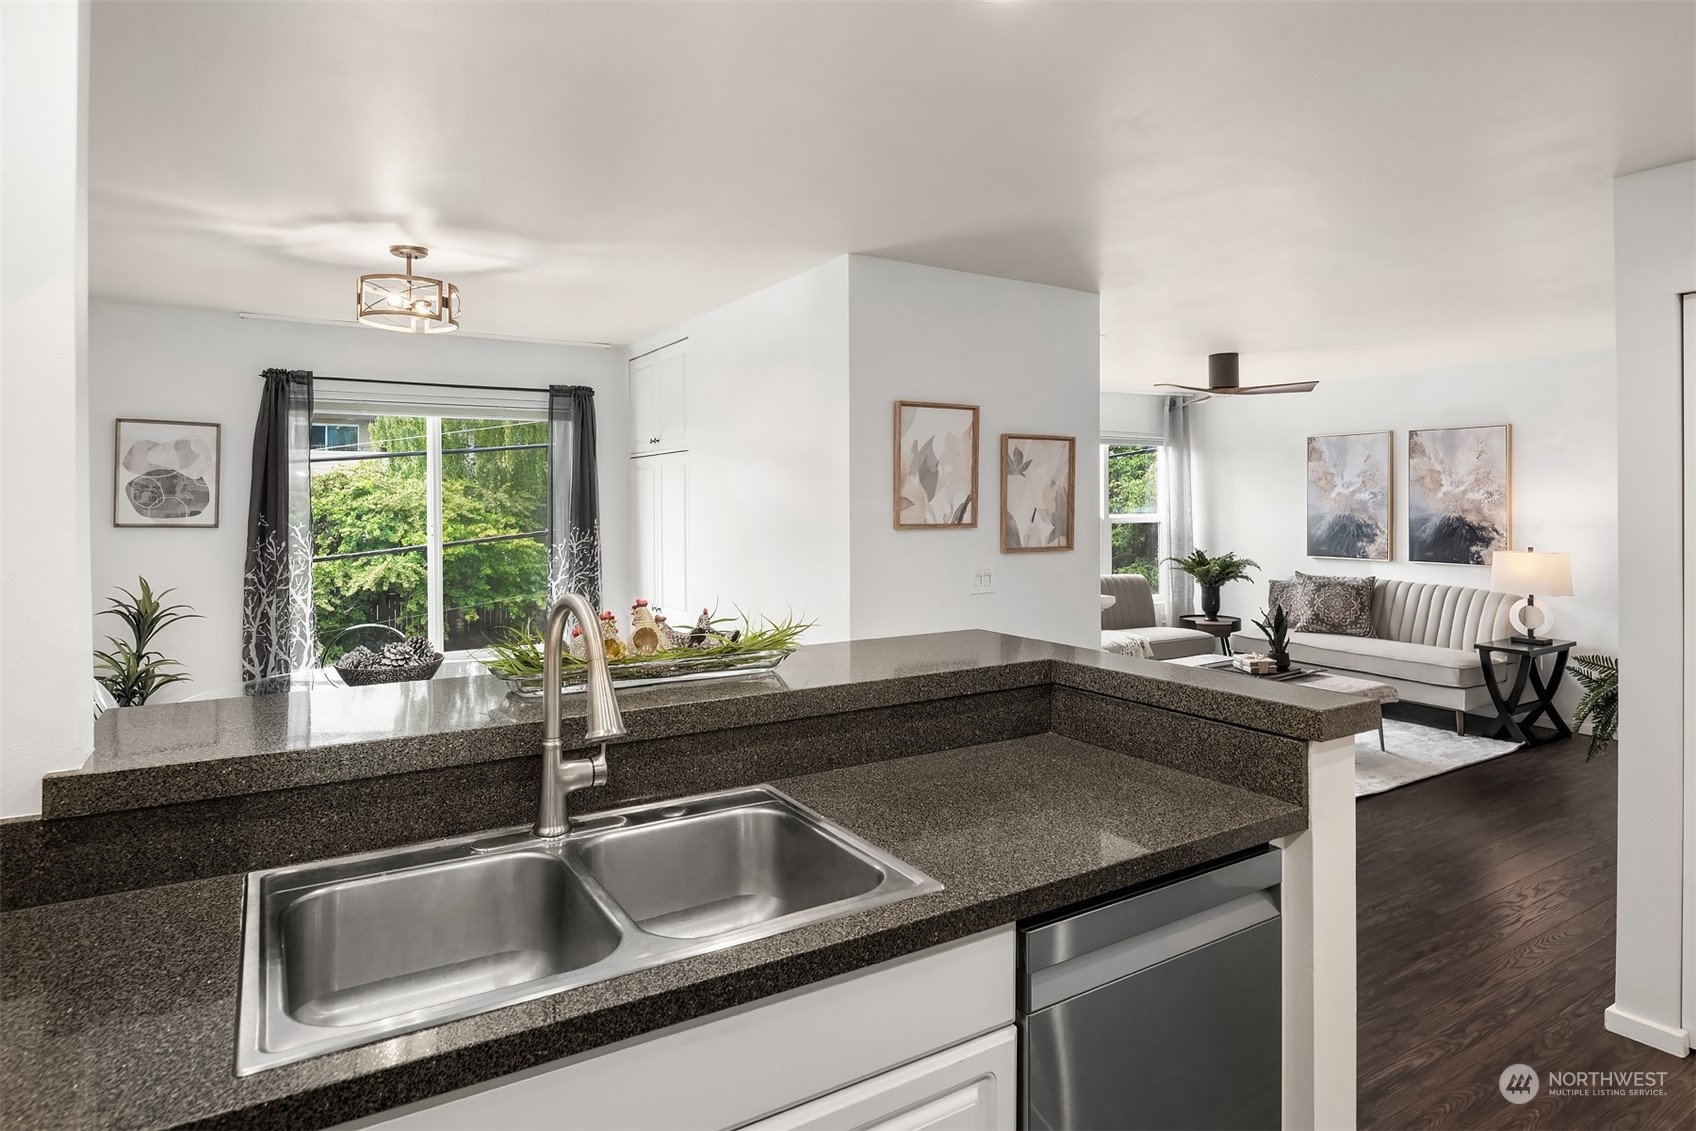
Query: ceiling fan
{"x":1222,"y":381}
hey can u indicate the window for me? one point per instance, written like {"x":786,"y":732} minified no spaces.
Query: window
{"x":435,"y":525}
{"x":336,"y":434}
{"x":1134,"y":537}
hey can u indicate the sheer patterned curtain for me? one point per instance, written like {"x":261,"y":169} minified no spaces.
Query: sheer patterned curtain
{"x":1180,"y":515}
{"x":574,"y":495}
{"x":277,"y":637}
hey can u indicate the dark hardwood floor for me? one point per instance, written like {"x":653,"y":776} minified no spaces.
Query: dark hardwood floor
{"x":1486,"y":938}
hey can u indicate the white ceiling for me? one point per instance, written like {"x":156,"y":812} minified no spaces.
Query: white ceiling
{"x":1331,"y":189}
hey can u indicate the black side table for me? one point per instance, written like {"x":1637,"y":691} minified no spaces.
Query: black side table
{"x":1221,"y":627}
{"x":1509,"y":706}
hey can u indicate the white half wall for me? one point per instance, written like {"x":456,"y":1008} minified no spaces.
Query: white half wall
{"x":768,"y":451}
{"x":1029,"y":356}
{"x":1251,"y":480}
{"x":46,"y":700}
{"x":1654,"y":260}
{"x":173,"y":364}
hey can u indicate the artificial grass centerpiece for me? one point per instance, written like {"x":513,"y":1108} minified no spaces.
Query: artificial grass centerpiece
{"x":519,"y":655}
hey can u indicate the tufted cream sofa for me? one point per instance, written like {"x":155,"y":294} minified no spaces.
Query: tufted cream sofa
{"x":1422,"y":644}
{"x":1132,"y":614}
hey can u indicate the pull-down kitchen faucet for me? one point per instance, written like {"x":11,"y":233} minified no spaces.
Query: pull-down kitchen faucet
{"x":562,"y":777}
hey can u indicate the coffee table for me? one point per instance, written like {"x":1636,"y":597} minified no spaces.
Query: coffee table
{"x":1324,"y":681}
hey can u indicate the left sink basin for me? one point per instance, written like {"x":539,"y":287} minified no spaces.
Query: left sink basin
{"x":363,"y":950}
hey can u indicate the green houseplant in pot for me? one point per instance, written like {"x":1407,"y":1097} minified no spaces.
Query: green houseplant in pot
{"x":1211,"y":573}
{"x":132,"y":670}
{"x":1276,"y":629}
{"x":1599,"y":705}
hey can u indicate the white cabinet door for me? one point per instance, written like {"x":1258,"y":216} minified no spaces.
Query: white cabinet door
{"x":731,"y":1068}
{"x":660,"y":506}
{"x":659,"y":415}
{"x":970,"y":1087}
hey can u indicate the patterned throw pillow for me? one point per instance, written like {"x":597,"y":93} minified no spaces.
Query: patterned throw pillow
{"x":1340,"y":605}
{"x":1285,"y":593}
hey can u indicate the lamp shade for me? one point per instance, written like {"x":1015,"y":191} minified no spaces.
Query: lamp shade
{"x":1532,"y":573}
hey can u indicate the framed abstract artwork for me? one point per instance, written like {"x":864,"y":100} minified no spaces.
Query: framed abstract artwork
{"x":165,"y":473}
{"x":1459,"y":489}
{"x":936,"y":465}
{"x":1038,"y":493}
{"x":1348,"y":496}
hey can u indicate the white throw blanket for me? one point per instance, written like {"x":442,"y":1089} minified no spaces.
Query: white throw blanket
{"x":1137,"y":646}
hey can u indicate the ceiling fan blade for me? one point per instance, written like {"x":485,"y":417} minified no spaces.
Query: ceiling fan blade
{"x":1185,"y":388}
{"x":1254,"y":390}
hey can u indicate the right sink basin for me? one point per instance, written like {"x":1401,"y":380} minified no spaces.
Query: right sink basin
{"x":723,"y":870}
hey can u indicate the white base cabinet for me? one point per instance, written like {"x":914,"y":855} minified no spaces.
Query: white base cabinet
{"x":925,"y":1041}
{"x":970,"y":1087}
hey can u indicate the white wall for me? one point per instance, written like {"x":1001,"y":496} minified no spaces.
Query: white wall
{"x":1654,"y":260}
{"x":1029,"y":356}
{"x":768,"y":451}
{"x":45,"y":675}
{"x":174,"y":364}
{"x":1250,"y":481}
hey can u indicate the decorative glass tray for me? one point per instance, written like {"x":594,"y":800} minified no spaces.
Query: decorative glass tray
{"x":644,"y":673}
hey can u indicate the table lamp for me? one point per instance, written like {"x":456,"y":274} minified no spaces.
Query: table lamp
{"x":1526,"y":571}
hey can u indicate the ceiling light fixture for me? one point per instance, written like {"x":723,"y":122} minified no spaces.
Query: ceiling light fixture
{"x":412,"y":304}
{"x":1222,"y":381}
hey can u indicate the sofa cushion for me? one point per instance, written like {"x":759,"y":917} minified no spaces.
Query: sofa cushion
{"x":1341,"y":605}
{"x":1133,"y":602}
{"x":1166,"y":643}
{"x":1445,"y":616}
{"x":1393,"y":659}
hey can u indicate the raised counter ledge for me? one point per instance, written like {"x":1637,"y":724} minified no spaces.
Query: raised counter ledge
{"x":208,"y":749}
{"x":120,"y":1010}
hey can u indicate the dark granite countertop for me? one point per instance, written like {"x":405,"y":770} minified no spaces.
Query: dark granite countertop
{"x":184,"y":752}
{"x":120,"y":1010}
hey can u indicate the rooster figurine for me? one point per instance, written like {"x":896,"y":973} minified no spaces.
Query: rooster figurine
{"x":645,"y":637}
{"x":671,"y":639}
{"x":609,"y":637}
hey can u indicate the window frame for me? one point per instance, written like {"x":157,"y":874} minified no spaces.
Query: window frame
{"x":434,"y":545}
{"x":1159,"y":517}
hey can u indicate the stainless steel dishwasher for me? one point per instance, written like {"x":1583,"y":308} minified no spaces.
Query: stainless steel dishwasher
{"x":1161,"y":1008}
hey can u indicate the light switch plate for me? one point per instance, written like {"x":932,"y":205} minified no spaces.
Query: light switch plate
{"x":983,"y":580}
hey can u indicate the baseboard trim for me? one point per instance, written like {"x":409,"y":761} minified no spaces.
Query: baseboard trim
{"x":1644,"y":1031}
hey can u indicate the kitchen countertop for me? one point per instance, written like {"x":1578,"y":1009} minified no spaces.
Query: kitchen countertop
{"x":183,"y":752}
{"x":120,"y":1010}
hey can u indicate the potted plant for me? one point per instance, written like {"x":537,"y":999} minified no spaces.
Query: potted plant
{"x":1599,"y":705}
{"x":1276,"y":629}
{"x":1211,"y":573}
{"x":132,"y":670}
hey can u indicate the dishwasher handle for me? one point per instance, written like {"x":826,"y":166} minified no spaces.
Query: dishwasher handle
{"x":1118,"y":960}
{"x":1071,"y":935}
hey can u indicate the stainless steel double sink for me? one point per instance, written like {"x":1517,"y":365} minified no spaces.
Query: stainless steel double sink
{"x":347,"y":951}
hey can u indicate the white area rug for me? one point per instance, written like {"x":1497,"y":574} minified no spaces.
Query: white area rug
{"x":1416,"y":752}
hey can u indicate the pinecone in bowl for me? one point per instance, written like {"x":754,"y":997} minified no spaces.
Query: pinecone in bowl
{"x":395,"y":662}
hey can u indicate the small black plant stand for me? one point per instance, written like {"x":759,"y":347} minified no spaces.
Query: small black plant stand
{"x":1220,"y":627}
{"x":1511,"y":705}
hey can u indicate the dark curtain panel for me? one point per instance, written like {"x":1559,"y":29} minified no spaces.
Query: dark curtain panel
{"x":277,"y":637}
{"x":574,"y":495}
